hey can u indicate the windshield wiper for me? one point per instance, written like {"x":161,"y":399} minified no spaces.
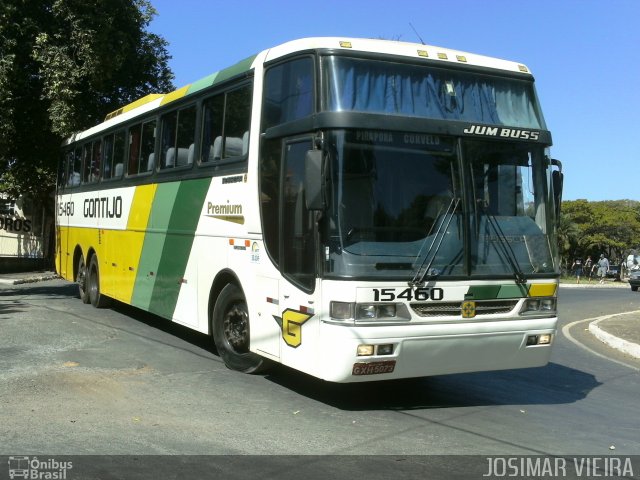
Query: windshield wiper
{"x":507,"y":251}
{"x":425,"y":267}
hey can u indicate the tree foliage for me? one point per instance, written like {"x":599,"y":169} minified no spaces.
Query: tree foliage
{"x":589,"y":228}
{"x":65,"y":64}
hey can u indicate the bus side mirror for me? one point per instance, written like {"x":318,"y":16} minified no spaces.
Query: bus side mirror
{"x":313,"y":180}
{"x":557,"y":179}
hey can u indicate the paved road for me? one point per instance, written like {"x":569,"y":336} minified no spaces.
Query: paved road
{"x":76,"y":380}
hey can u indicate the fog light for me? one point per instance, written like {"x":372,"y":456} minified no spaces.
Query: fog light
{"x":365,"y":350}
{"x":544,"y":339}
{"x":386,"y":349}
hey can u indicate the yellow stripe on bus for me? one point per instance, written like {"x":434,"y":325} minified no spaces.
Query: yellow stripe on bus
{"x":175,"y":95}
{"x":542,"y":289}
{"x":138,"y":103}
{"x":127,"y":245}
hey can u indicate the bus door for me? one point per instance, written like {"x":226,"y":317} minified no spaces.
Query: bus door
{"x":298,"y":299}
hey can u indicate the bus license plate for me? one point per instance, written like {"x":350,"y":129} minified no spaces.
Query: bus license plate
{"x":373,"y":368}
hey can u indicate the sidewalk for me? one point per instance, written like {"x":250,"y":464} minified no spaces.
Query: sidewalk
{"x":621,"y":331}
{"x":26,"y":277}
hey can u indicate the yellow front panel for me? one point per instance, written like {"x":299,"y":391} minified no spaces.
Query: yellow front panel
{"x":542,"y":289}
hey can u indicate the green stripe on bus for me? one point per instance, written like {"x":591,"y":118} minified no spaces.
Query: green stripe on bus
{"x":490,"y":292}
{"x":221,"y":76}
{"x":154,"y":242}
{"x":202,"y":83}
{"x":513,"y":291}
{"x":182,"y":224}
{"x":233,"y":70}
{"x":482,"y":292}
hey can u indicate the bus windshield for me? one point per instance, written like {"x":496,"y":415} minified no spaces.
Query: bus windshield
{"x":424,"y":91}
{"x":402,"y":202}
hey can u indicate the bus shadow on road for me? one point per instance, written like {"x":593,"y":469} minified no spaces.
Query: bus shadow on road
{"x":549,"y":385}
{"x":40,"y":292}
{"x":173,"y":329}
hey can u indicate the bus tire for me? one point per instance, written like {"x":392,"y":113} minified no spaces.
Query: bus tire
{"x":230,"y":322}
{"x":81,"y":280}
{"x":96,"y":298}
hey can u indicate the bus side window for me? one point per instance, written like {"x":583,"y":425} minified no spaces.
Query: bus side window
{"x":75,"y":172}
{"x":135,"y":134}
{"x":86,"y":162}
{"x":168,"y":140}
{"x":288,"y":92}
{"x":118,"y":154}
{"x":107,"y":163}
{"x":236,"y":122}
{"x":212,"y":129}
{"x":66,"y":169}
{"x":185,"y":136}
{"x":96,"y":162}
{"x":225,"y":129}
{"x":148,"y":145}
{"x":178,"y":135}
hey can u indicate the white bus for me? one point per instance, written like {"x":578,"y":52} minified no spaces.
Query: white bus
{"x":354,"y":209}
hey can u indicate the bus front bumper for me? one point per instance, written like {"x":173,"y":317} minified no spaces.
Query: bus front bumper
{"x":425,"y":350}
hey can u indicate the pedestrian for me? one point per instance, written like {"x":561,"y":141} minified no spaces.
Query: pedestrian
{"x":577,"y":268}
{"x":633,"y":262}
{"x":588,"y":267}
{"x":603,"y":267}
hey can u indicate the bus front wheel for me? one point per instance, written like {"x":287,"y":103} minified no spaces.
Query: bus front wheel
{"x":96,"y":298}
{"x":231,"y":332}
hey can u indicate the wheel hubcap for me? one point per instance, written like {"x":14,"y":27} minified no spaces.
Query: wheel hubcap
{"x":236,"y":328}
{"x":82,"y":275}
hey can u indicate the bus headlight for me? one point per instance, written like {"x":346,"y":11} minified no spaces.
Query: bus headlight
{"x":341,"y":310}
{"x":539,"y":305}
{"x":371,"y":310}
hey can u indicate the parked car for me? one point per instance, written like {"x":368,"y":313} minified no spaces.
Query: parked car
{"x":634,"y":280}
{"x":614,"y":271}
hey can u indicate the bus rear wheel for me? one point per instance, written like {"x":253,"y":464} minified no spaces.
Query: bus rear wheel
{"x":81,"y":280}
{"x":231,"y":332}
{"x":96,"y":298}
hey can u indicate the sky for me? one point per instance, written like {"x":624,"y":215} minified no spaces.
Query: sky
{"x":584,"y":55}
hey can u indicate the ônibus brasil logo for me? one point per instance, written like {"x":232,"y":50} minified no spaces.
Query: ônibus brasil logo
{"x":34,"y":468}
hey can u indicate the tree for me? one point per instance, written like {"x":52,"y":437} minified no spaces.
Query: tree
{"x":611,"y":227}
{"x":568,"y":235}
{"x":65,"y":64}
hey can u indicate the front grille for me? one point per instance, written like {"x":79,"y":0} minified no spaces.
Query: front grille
{"x":454,"y":309}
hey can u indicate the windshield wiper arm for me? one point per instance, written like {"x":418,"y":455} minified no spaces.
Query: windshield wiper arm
{"x":507,"y":251}
{"x":430,"y":256}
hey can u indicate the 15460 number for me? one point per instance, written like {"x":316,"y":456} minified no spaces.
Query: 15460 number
{"x":419,"y":294}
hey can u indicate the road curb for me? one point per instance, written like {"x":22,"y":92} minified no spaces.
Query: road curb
{"x":624,"y":284}
{"x":31,"y":279}
{"x":620,"y":344}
